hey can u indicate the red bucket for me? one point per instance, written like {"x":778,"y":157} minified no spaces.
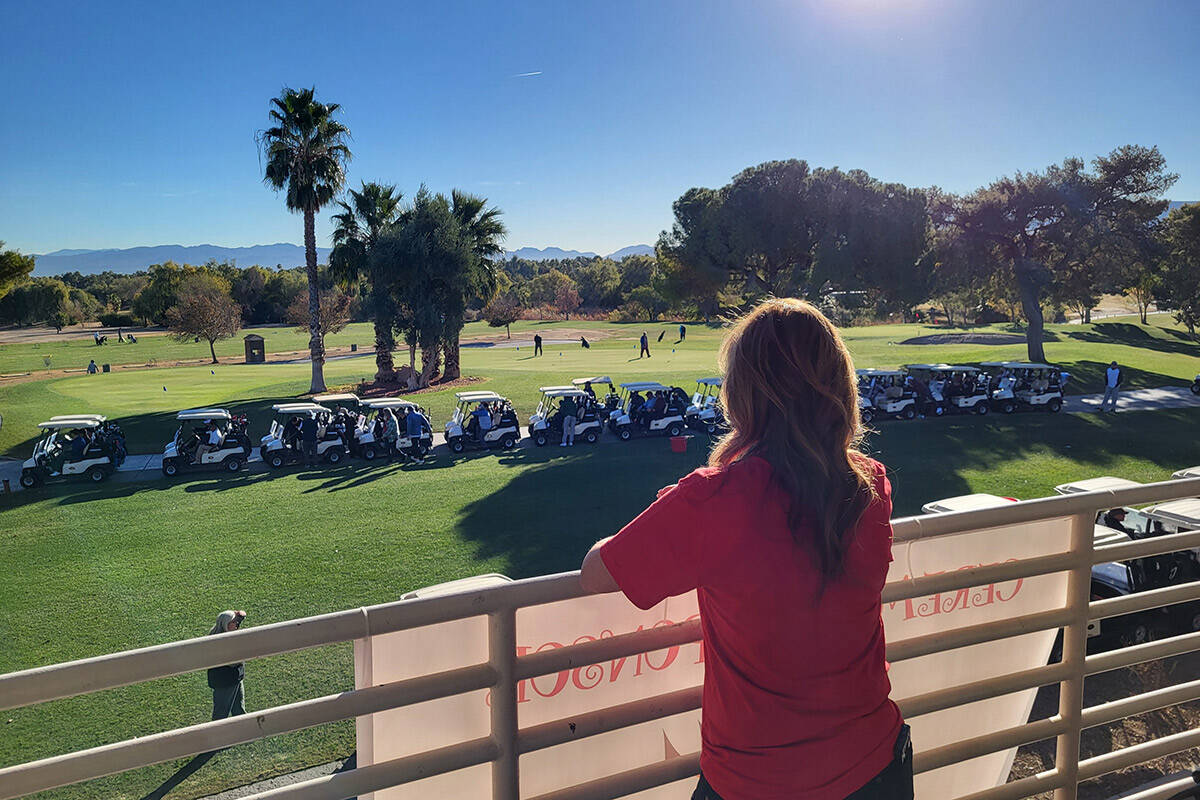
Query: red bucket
{"x":679,"y":444}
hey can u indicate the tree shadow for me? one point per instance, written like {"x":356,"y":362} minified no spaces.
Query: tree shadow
{"x":1088,"y":377}
{"x":1130,"y":335}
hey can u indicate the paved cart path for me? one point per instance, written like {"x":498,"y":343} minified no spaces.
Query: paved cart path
{"x":147,"y":467}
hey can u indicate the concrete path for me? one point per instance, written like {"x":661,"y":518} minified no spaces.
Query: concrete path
{"x":1137,"y":400}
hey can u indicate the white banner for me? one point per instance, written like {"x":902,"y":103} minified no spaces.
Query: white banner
{"x":406,"y":654}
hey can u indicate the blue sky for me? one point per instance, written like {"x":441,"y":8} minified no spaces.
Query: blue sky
{"x":131,"y":124}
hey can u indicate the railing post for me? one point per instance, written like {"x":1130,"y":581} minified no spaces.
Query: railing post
{"x":502,"y":655}
{"x":1074,"y":653}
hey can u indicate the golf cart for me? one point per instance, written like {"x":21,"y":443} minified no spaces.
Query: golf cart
{"x":547,"y":421}
{"x":86,"y":445}
{"x":464,"y":429}
{"x":282,"y":444}
{"x":610,"y":400}
{"x":367,"y":439}
{"x":705,"y":412}
{"x":1190,"y":472}
{"x":946,"y":388}
{"x":347,"y":400}
{"x":629,"y":418}
{"x":1017,"y":384}
{"x":230,"y":454}
{"x":887,"y":395}
{"x":1196,"y":385}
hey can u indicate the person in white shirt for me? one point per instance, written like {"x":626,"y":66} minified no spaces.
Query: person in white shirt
{"x":1112,"y":384}
{"x":213,"y":442}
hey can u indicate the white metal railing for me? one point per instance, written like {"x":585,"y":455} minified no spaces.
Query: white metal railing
{"x":503,"y":670}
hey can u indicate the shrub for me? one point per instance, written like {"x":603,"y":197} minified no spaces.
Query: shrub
{"x":117,"y":319}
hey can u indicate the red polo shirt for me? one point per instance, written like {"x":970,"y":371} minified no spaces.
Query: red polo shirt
{"x":795,"y":689}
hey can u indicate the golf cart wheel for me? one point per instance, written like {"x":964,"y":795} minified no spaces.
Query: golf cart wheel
{"x":981,"y":408}
{"x":97,"y":474}
{"x":939,"y":410}
{"x":456,"y":445}
{"x":1133,"y":634}
{"x":508,"y":442}
{"x":591,"y":437}
{"x":710,"y":428}
{"x":539,"y":439}
{"x":275,"y":460}
{"x":1196,"y":387}
{"x":909,"y":412}
{"x":1195,"y":622}
{"x":1008,"y":406}
{"x":368,"y":452}
{"x":334,"y":455}
{"x":170,"y":467}
{"x":30,"y":480}
{"x":624,"y":433}
{"x":674,"y":429}
{"x":1055,"y":405}
{"x":867,"y":416}
{"x":232,"y":464}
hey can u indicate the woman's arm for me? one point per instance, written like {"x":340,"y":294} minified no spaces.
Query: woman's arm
{"x":594,"y":574}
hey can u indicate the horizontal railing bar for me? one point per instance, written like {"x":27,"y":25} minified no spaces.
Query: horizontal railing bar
{"x":1153,"y":546}
{"x":623,"y":645}
{"x":1022,"y":787}
{"x":1164,"y":791}
{"x":378,"y":777}
{"x":1140,"y":703}
{"x":907,"y":529}
{"x":1141,"y":653}
{"x":581,"y":726}
{"x":1138,"y":753}
{"x":1144,"y":601}
{"x":985,"y":689}
{"x":630,"y":781}
{"x":49,"y":773}
{"x":917,"y":646}
{"x":966,"y":749}
{"x":922,"y":586}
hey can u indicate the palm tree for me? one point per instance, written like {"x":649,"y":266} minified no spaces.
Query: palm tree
{"x":484,"y":232}
{"x":306,"y":154}
{"x":363,"y":219}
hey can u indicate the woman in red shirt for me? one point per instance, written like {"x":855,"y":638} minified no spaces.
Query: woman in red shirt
{"x":786,"y":536}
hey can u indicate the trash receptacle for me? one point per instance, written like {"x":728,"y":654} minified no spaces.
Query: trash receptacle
{"x":106,"y":368}
{"x":679,"y":444}
{"x":353,"y":348}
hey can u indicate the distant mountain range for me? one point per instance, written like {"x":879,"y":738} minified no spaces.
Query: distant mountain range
{"x":268,"y":255}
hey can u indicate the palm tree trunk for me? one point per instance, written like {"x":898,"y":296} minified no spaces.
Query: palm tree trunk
{"x":316,"y":343}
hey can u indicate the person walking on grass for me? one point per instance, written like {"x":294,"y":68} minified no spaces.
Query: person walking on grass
{"x":787,"y":540}
{"x":569,"y":409}
{"x":645,"y":342}
{"x":537,"y":344}
{"x":1113,"y":378}
{"x":91,"y":368}
{"x":682,"y":331}
{"x":229,"y":697}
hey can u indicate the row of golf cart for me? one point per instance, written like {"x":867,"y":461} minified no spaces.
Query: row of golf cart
{"x":1121,"y":578}
{"x":934,"y":390}
{"x":74,"y":445}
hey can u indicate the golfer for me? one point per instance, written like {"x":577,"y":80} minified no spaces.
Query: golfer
{"x":229,"y":698}
{"x":537,"y":344}
{"x":645,"y":342}
{"x":1112,"y":384}
{"x":569,"y":409}
{"x":786,"y":536}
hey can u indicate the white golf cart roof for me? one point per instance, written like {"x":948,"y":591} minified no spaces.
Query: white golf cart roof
{"x":563,"y":391}
{"x":544,"y":389}
{"x":97,"y":417}
{"x":203,"y":413}
{"x":965,"y":502}
{"x":710,"y":381}
{"x":1027,"y":365}
{"x":880,"y":373}
{"x":1095,"y":485}
{"x":389,"y":402}
{"x":927,"y":366}
{"x":69,"y":424}
{"x":1184,"y":513}
{"x":644,"y":386}
{"x":1190,"y":472}
{"x":345,"y":397}
{"x":477,"y":397}
{"x":298,"y":408}
{"x":597,"y":379}
{"x":993,"y":364}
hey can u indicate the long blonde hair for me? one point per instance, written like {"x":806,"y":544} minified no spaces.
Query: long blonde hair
{"x":791,"y":397}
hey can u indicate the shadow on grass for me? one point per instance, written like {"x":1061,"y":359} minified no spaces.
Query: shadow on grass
{"x":1130,"y":335}
{"x":1088,"y":377}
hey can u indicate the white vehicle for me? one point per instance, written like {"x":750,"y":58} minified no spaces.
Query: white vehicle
{"x":85,"y":445}
{"x":630,"y":418}
{"x":886,"y":395}
{"x":705,"y":412}
{"x":1196,"y":385}
{"x":949,"y":388}
{"x":1190,"y":472}
{"x":347,"y":400}
{"x":230,"y":454}
{"x":546,"y":423}
{"x":607,"y":403}
{"x":467,"y":428}
{"x":282,"y":444}
{"x":365,"y":444}
{"x":1019,"y":384}
{"x":966,"y":502}
{"x":1095,"y":485}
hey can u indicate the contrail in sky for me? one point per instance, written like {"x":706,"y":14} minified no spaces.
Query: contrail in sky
{"x":527,"y":74}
